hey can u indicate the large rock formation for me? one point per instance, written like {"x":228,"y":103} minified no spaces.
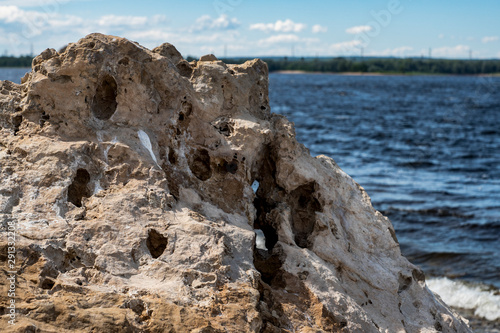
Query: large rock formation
{"x":128,"y":174}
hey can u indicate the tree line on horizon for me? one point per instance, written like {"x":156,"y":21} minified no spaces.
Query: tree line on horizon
{"x":381,"y":65}
{"x":342,"y":65}
{"x":11,"y":61}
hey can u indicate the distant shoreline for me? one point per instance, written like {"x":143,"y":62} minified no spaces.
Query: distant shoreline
{"x":294,"y":72}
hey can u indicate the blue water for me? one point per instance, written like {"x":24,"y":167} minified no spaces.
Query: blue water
{"x":13,"y":74}
{"x":426,"y":149}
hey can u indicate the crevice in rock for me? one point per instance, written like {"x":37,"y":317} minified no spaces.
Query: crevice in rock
{"x":199,"y":164}
{"x":70,"y":260}
{"x":269,"y":262}
{"x":79,"y":188}
{"x":156,"y":243}
{"x":224,"y":126}
{"x":104,"y":103}
{"x":16,"y":121}
{"x":43,"y":118}
{"x":278,"y":306}
{"x":123,"y":61}
{"x":231,"y":167}
{"x":404,"y":282}
{"x":270,"y":267}
{"x":187,"y":108}
{"x":418,"y":275}
{"x":172,"y":157}
{"x":304,"y":207}
{"x":263,"y":209}
{"x":61,"y":79}
{"x":47,"y":283}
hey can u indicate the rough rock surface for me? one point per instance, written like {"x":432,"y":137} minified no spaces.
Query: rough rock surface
{"x":128,"y":174}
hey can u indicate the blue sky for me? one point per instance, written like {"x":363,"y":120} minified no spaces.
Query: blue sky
{"x":450,"y":28}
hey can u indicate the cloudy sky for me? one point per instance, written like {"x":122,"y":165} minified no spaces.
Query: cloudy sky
{"x":450,"y":28}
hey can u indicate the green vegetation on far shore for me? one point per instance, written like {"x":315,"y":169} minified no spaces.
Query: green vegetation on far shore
{"x":380,"y":65}
{"x":10,"y":61}
{"x":346,"y":65}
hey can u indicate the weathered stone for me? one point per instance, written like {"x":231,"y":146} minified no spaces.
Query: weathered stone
{"x":208,"y":57}
{"x":128,"y":174}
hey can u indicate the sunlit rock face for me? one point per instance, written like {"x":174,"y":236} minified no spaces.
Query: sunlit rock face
{"x":128,"y":175}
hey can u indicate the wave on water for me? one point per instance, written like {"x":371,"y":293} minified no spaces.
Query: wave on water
{"x":483,"y":300}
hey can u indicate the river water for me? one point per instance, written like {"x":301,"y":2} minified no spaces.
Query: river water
{"x":427,"y":151}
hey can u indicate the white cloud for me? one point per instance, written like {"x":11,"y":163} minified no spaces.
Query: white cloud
{"x":441,"y":36}
{"x":113,"y":21}
{"x":318,"y":29}
{"x":33,"y":23}
{"x":346,"y":47}
{"x":458,"y":51}
{"x":223,"y":22}
{"x":279,"y":26}
{"x":11,"y":14}
{"x":358,"y":29}
{"x":489,"y":39}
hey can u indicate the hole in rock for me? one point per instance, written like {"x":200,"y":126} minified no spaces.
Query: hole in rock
{"x":104,"y":103}
{"x":304,"y":207}
{"x":62,"y":79}
{"x":263,"y":222}
{"x":225,"y":128}
{"x":43,"y":118}
{"x":231,"y":167}
{"x":123,"y":61}
{"x":199,"y":164}
{"x":16,"y":121}
{"x":404,"y":282}
{"x":267,"y":262}
{"x":156,"y":243}
{"x":172,"y":158}
{"x":187,"y":108}
{"x":136,"y":305}
{"x":418,"y":275}
{"x":269,"y":267}
{"x":47,"y":284}
{"x":79,"y":188}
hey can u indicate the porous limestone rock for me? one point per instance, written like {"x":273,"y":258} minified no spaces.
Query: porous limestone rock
{"x":128,"y":176}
